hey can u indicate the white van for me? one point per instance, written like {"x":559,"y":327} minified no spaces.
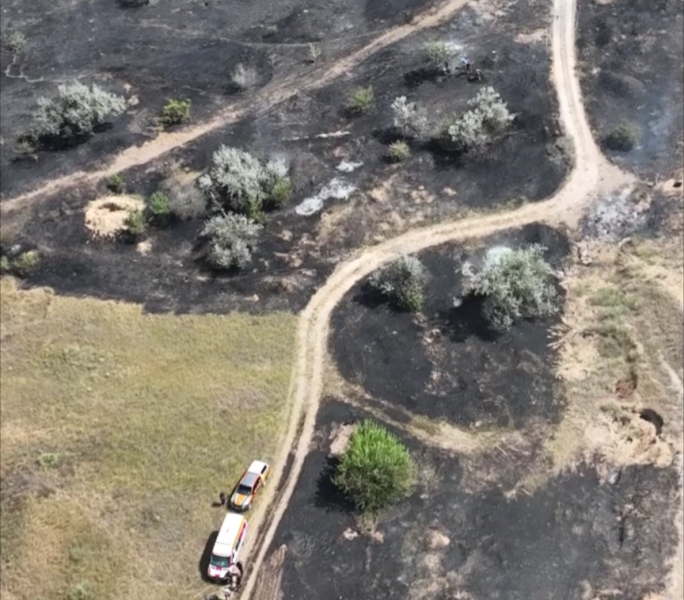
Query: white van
{"x":231,"y":538}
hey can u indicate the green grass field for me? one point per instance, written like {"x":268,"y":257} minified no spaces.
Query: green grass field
{"x":119,"y":429}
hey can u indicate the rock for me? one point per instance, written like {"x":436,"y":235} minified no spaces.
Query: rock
{"x":614,"y":476}
{"x":350,"y":534}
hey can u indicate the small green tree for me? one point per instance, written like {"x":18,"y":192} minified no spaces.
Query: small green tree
{"x":360,"y":100}
{"x":403,"y":282}
{"x":516,"y":284}
{"x":376,"y":470}
{"x":175,"y":112}
{"x":158,"y":205}
{"x":623,"y":138}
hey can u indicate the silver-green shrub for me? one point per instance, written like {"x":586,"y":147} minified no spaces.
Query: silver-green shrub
{"x":229,"y":240}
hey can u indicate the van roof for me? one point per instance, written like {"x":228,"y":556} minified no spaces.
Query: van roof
{"x":228,"y":534}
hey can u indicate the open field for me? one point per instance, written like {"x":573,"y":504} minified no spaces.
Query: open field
{"x":119,"y":429}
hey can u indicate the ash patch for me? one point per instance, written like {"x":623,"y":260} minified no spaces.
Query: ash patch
{"x":573,"y":538}
{"x":618,"y":215}
{"x":447,"y":363}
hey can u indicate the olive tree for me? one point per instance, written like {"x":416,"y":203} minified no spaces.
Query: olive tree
{"x":75,"y":111}
{"x":516,"y":284}
{"x":376,"y":470}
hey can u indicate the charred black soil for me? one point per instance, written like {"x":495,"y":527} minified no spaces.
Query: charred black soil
{"x":447,"y":362}
{"x":572,"y":537}
{"x":631,"y":71}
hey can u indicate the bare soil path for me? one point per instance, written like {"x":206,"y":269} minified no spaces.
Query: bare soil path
{"x":591,"y":174}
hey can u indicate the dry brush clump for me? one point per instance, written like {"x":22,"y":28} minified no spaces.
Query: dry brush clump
{"x":228,"y":240}
{"x":408,"y":118}
{"x":239,"y":182}
{"x":516,"y":284}
{"x":403,"y":282}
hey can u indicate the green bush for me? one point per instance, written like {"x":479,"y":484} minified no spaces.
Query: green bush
{"x":75,"y":111}
{"x":5,"y":264}
{"x":398,"y":151}
{"x":135,"y":222}
{"x":116,"y":184}
{"x":229,"y":240}
{"x":175,"y":112}
{"x":280,"y":193}
{"x":158,"y":205}
{"x":403,"y":282}
{"x":49,"y":460}
{"x":376,"y":470}
{"x":360,"y":100}
{"x":623,"y":138}
{"x":516,"y":284}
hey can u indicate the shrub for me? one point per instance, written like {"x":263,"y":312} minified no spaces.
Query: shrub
{"x":488,"y":116}
{"x":82,"y":591}
{"x":26,"y":145}
{"x":5,"y":264}
{"x":229,"y":240}
{"x":15,"y":42}
{"x":376,"y":470}
{"x":116,"y":184}
{"x":135,"y":222}
{"x":403,"y":282}
{"x":158,"y":205}
{"x":175,"y":112}
{"x":48,"y":460}
{"x":437,"y":53}
{"x":244,"y":184}
{"x":26,"y":262}
{"x":243,"y":77}
{"x":314,"y":53}
{"x":186,"y":201}
{"x":408,"y":118}
{"x":516,"y":284}
{"x":75,"y":111}
{"x":360,"y":100}
{"x":398,"y":151}
{"x":623,"y":138}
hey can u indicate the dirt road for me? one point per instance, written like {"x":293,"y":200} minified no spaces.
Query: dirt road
{"x":591,"y":174}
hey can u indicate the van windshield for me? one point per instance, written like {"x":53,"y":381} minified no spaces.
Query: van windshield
{"x":219,"y":561}
{"x":244,"y":490}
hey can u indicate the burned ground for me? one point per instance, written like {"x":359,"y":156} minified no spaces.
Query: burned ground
{"x":570,"y":537}
{"x":296,"y":252}
{"x":447,"y":362}
{"x":630,"y":55}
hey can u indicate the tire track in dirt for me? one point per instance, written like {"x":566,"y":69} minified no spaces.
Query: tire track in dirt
{"x":264,"y":99}
{"x":591,"y":173}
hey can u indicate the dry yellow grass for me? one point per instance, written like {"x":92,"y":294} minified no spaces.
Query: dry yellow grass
{"x":118,"y":431}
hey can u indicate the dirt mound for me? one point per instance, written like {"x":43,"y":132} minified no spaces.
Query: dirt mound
{"x":105,"y":217}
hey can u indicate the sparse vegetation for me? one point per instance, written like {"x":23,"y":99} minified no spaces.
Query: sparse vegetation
{"x":488,"y":117}
{"x":314,"y":53}
{"x":75,"y":111}
{"x":158,"y":205}
{"x":229,"y":241}
{"x":26,"y":145}
{"x":244,"y":77}
{"x":116,"y":184}
{"x":82,"y":591}
{"x":376,"y":470}
{"x":135,"y":223}
{"x":5,"y":264}
{"x":408,"y":119}
{"x":175,"y":112}
{"x":402,"y":281}
{"x":516,"y":284}
{"x":398,"y":151}
{"x":186,"y":201}
{"x":361,"y":100}
{"x":241,"y":183}
{"x":26,"y":263}
{"x":15,"y":42}
{"x":623,"y":138}
{"x":437,"y":53}
{"x":49,"y":460}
